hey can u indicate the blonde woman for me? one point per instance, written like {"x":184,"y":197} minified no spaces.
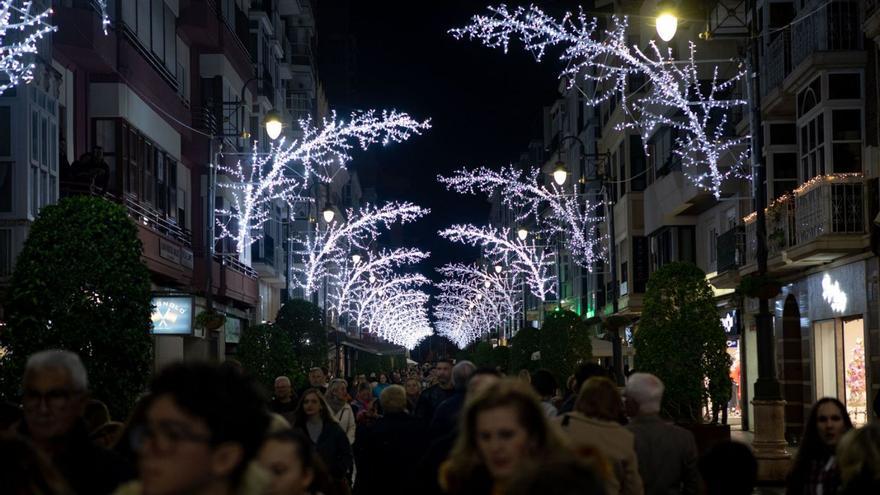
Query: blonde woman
{"x":338,"y":400}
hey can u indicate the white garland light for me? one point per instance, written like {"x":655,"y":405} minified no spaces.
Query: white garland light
{"x":572,"y":215}
{"x":20,"y":31}
{"x":394,"y":309}
{"x":105,"y":18}
{"x":330,"y":246}
{"x":352,"y":281}
{"x":524,"y":258}
{"x":321,"y":152}
{"x":674,"y":95}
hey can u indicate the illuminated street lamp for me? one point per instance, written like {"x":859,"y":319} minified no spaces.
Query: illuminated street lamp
{"x":498,"y":268}
{"x":328,"y":213}
{"x":356,"y":258}
{"x":667,"y":21}
{"x":560,"y":174}
{"x":273,"y":124}
{"x":522,"y":233}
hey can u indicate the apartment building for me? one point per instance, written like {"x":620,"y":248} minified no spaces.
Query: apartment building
{"x":174,"y":86}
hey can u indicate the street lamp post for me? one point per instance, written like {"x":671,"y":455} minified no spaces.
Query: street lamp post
{"x":273,"y":124}
{"x":608,"y":207}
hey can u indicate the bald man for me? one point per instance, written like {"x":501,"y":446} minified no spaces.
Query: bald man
{"x":284,"y":402}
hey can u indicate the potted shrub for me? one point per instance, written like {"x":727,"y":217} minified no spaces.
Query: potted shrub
{"x":680,"y":340}
{"x":209,"y":320}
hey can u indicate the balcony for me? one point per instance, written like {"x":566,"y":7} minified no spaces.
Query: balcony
{"x":835,"y":26}
{"x":823,"y":220}
{"x":778,"y":63}
{"x":730,"y":249}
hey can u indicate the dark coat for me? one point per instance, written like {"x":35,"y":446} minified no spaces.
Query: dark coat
{"x":667,"y":456}
{"x":333,"y":448}
{"x":446,"y":415}
{"x":395,"y":436}
{"x":88,"y":468}
{"x":430,"y":400}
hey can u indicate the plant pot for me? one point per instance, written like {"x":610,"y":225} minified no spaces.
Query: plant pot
{"x":210,"y":321}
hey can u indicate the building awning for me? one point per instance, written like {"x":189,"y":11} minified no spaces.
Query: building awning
{"x":378,"y":348}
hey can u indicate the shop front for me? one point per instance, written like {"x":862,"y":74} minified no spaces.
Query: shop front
{"x":821,"y":334}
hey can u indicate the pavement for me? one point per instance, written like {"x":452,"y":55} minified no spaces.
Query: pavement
{"x":747,"y":437}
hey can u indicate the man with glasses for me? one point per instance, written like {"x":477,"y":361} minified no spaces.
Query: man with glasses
{"x":55,"y":392}
{"x":203,"y":426}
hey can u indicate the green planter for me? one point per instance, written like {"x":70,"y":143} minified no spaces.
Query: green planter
{"x":209,"y":320}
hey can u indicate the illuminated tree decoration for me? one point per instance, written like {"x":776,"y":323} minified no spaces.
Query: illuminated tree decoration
{"x":572,"y":214}
{"x":371,"y":295}
{"x":497,"y":289}
{"x":105,"y":18}
{"x":672,"y":95}
{"x":330,"y":246}
{"x":523,"y":258}
{"x":349,"y":283}
{"x":321,"y":152}
{"x":20,"y":31}
{"x":394,"y":309}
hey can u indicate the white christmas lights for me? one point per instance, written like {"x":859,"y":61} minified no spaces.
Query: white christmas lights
{"x":319,"y":153}
{"x":20,"y":31}
{"x":105,"y":18}
{"x":330,"y":245}
{"x":524,"y":258}
{"x":673,"y":95}
{"x":573,"y":215}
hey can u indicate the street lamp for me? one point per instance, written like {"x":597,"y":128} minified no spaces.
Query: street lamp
{"x":498,"y":268}
{"x":356,"y":258}
{"x":560,"y":174}
{"x":487,"y":284}
{"x":328,"y":213}
{"x":522,"y":233}
{"x":273,"y":124}
{"x":372,"y":278}
{"x":667,"y":21}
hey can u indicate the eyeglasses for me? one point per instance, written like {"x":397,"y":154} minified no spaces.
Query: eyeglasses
{"x":165,"y":437}
{"x":56,"y":398}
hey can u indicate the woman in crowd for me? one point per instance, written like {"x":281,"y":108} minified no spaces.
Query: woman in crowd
{"x":337,"y":399}
{"x":413,"y":391}
{"x":313,"y":417}
{"x":858,"y":455}
{"x":293,"y":464}
{"x":815,"y":468}
{"x":382,"y":385}
{"x":502,"y":428}
{"x":593,"y":423}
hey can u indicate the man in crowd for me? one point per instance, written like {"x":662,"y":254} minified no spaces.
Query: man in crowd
{"x":446,"y":415}
{"x":317,"y":379}
{"x":55,"y":395}
{"x":667,"y":453}
{"x":284,"y":402}
{"x":437,"y":393}
{"x":203,"y":426}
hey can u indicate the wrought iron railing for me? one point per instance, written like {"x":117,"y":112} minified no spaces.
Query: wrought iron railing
{"x":778,"y":63}
{"x":828,"y":204}
{"x":157,"y":221}
{"x":730,"y":249}
{"x":831,"y":205}
{"x":835,"y":25}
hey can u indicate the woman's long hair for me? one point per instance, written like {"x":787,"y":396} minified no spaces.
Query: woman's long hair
{"x":299,"y":415}
{"x":309,"y":458}
{"x":465,"y":462}
{"x":812,"y":448}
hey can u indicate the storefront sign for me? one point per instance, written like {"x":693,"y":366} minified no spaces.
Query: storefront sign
{"x":169,"y":251}
{"x":186,"y":257}
{"x":728,"y":322}
{"x":172,"y":315}
{"x":833,"y":294}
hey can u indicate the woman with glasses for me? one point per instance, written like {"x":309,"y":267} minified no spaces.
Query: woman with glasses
{"x":314,"y":418}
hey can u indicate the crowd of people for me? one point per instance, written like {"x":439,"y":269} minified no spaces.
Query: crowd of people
{"x":452,"y":428}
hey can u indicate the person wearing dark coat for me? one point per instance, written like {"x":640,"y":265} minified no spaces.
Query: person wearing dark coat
{"x":583,"y":373}
{"x":55,"y":394}
{"x":396,"y":435}
{"x":446,"y":414}
{"x":435,"y":394}
{"x":314,"y":418}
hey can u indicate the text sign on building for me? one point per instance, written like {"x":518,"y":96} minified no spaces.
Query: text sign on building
{"x":172,"y":315}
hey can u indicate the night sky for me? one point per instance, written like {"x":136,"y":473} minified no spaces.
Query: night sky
{"x":485,"y":106}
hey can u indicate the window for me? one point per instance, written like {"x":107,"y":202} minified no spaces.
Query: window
{"x":6,"y":169}
{"x":813,"y":148}
{"x":784,"y":173}
{"x":621,"y":160}
{"x":846,"y":140}
{"x":43,"y":163}
{"x":783,"y":134}
{"x":713,"y":246}
{"x":844,"y":86}
{"x":153,"y":24}
{"x":5,"y":131}
{"x":637,"y":163}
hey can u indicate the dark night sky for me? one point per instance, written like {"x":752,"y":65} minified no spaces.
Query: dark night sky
{"x":485,"y":106}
